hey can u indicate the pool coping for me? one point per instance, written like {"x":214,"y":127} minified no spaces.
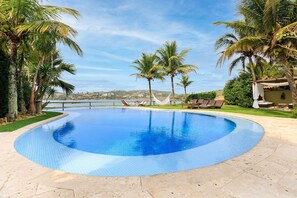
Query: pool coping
{"x":268,"y":169}
{"x":246,"y":134}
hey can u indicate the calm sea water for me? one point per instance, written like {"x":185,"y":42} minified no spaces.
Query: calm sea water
{"x":85,"y":103}
{"x":95,"y":103}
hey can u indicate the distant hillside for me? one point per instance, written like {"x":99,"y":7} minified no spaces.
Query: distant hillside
{"x":111,"y":95}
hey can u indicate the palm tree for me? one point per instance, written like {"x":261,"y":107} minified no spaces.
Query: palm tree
{"x":19,"y":18}
{"x":49,"y":77}
{"x":236,"y":45}
{"x":173,"y":62}
{"x":276,"y":26}
{"x":185,"y":82}
{"x":148,"y":68}
{"x":281,"y":47}
{"x":228,"y":40}
{"x":271,"y":31}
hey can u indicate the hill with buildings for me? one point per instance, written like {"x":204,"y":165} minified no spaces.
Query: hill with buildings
{"x":111,"y":95}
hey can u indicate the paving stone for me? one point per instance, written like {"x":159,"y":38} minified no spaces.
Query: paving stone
{"x":248,"y":185}
{"x":268,"y":170}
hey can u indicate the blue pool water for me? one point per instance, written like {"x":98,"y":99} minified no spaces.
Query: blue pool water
{"x":128,"y":132}
{"x":134,"y":142}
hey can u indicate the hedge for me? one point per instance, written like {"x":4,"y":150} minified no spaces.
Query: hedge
{"x":211,"y":95}
{"x":238,"y":91}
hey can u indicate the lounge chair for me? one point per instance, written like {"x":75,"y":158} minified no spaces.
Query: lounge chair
{"x":194,"y":101}
{"x":204,"y":103}
{"x":211,"y":104}
{"x":218,"y":104}
{"x":265,"y":104}
{"x":200,"y":101}
{"x":143,"y":103}
{"x":125,"y":103}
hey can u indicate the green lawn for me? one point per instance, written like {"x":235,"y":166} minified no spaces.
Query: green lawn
{"x":21,"y":123}
{"x":237,"y":109}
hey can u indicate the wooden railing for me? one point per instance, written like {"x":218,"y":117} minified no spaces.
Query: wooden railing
{"x":74,"y":102}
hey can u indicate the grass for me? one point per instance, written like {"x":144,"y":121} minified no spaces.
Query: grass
{"x":237,"y":109}
{"x":21,"y":123}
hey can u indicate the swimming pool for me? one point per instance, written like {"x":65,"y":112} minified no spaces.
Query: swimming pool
{"x":130,"y":142}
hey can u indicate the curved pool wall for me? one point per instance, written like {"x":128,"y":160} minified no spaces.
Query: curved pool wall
{"x":41,"y":147}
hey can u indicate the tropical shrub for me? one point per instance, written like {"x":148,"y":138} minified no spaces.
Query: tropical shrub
{"x":238,"y":91}
{"x":211,"y":95}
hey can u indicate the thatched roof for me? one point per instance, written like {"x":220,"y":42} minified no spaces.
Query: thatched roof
{"x":275,"y":80}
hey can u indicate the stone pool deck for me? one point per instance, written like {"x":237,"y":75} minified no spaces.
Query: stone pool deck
{"x":268,"y":170}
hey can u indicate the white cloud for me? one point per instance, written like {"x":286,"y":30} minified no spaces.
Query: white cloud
{"x":97,"y":68}
{"x":114,"y":33}
{"x":113,"y":56}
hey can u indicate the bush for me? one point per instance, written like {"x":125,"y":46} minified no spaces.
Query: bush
{"x":238,"y":91}
{"x":211,"y":95}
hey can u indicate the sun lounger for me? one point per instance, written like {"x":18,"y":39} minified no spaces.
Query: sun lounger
{"x":265,"y":104}
{"x":143,"y":103}
{"x":194,"y":101}
{"x":218,"y":104}
{"x":209,"y":105}
{"x":204,"y":103}
{"x":125,"y":103}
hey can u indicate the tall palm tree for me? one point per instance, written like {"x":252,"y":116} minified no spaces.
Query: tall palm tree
{"x":184,"y":82}
{"x":274,"y":34}
{"x":148,"y":68}
{"x":173,"y":62}
{"x":281,"y":43}
{"x":237,"y":46}
{"x":19,"y":18}
{"x":228,"y":40}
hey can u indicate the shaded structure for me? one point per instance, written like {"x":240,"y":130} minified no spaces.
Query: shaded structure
{"x":272,"y":92}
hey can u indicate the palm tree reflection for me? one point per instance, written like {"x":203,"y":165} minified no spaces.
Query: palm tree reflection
{"x":161,"y":139}
{"x":64,"y":136}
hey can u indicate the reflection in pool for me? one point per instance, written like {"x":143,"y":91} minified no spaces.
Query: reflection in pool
{"x":129,"y":132}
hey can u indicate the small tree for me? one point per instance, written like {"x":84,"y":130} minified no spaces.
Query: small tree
{"x":185,"y":82}
{"x":148,"y":68}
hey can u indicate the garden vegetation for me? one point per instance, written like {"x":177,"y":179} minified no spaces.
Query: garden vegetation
{"x":31,"y":64}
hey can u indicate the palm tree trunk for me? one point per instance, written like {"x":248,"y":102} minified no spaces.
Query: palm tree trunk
{"x":32,"y":108}
{"x":12,"y":85}
{"x":172,"y":89}
{"x":185,"y":89}
{"x":22,"y":105}
{"x":252,"y":67}
{"x":289,"y":72}
{"x":150,"y":91}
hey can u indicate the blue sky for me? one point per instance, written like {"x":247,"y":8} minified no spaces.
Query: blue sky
{"x":114,"y":33}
